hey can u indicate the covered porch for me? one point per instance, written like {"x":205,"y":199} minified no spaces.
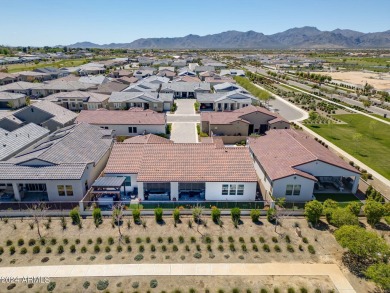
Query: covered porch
{"x":107,"y":190}
{"x":29,"y":192}
{"x":336,"y":184}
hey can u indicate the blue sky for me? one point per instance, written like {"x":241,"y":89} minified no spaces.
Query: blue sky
{"x":54,"y":22}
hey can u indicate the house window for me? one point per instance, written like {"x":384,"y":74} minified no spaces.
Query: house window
{"x":132,"y":129}
{"x":240,"y":189}
{"x":61,"y":190}
{"x":297,"y":190}
{"x":289,"y":189}
{"x":225,"y":189}
{"x":232,"y":190}
{"x":155,"y":105}
{"x":127,"y":180}
{"x":69,"y":190}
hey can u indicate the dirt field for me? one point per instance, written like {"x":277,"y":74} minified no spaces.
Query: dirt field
{"x":143,"y":244}
{"x":378,"y":81}
{"x":184,"y":284}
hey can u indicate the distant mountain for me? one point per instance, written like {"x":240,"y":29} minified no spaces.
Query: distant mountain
{"x":296,"y":38}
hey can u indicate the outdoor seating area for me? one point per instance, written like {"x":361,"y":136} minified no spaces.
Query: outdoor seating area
{"x":333,"y":184}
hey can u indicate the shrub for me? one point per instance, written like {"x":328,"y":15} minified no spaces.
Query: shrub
{"x":66,"y":241}
{"x":127,"y":239}
{"x":197,"y":255}
{"x":8,"y":242}
{"x":23,"y":250}
{"x":255,"y":248}
{"x":220,"y":247}
{"x":255,"y":215}
{"x":274,"y":239}
{"x":355,"y":207}
{"x":266,"y":248}
{"x":51,"y":286}
{"x":170,"y":239}
{"x":135,"y":285}
{"x":75,"y":216}
{"x":252,"y":239}
{"x":181,"y":239}
{"x":20,"y":242}
{"x":138,"y":257}
{"x":197,"y":214}
{"x":193,"y":239}
{"x":53,"y":241}
{"x":215,"y":214}
{"x":380,"y":274}
{"x":236,"y":214}
{"x":290,"y":248}
{"x":241,"y":240}
{"x":86,"y":284}
{"x":243,"y":247}
{"x":136,"y":215}
{"x":189,"y":223}
{"x":97,"y":216}
{"x":187,"y":248}
{"x":83,"y":249}
{"x":176,"y":215}
{"x":261,"y":239}
{"x":313,"y":211}
{"x":102,"y":285}
{"x":304,"y":239}
{"x":374,"y":212}
{"x":160,"y":239}
{"x":271,"y":215}
{"x":303,"y":290}
{"x":96,"y":248}
{"x":153,"y":283}
{"x":343,"y":216}
{"x":277,"y":248}
{"x":31,"y":242}
{"x":12,"y":250}
{"x":231,"y":239}
{"x":36,"y":249}
{"x":108,"y":257}
{"x":311,"y":249}
{"x":110,"y":240}
{"x":152,"y":248}
{"x":72,"y":248}
{"x":48,"y":249}
{"x":163,"y":248}
{"x":290,"y":290}
{"x":141,"y":248}
{"x":158,"y":214}
{"x":99,"y":240}
{"x":129,"y":248}
{"x":232,"y":247}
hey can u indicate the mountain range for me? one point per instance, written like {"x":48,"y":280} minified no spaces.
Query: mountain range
{"x":296,"y":38}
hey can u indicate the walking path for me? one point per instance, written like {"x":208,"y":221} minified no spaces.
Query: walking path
{"x":210,"y":269}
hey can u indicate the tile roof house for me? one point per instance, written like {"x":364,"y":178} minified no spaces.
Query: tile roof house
{"x":186,"y":78}
{"x":60,"y":167}
{"x":54,"y":72}
{"x":232,"y":72}
{"x":78,"y":100}
{"x":199,"y":69}
{"x":43,"y":113}
{"x":56,"y":86}
{"x":225,"y":101}
{"x":175,"y":171}
{"x":148,"y":138}
{"x":133,"y":122}
{"x":127,"y":80}
{"x":19,"y":87}
{"x":234,"y":126}
{"x":13,"y":142}
{"x":145,"y":100}
{"x":293,"y":165}
{"x":6,"y":78}
{"x":11,"y":100}
{"x":142,"y":86}
{"x":110,"y":87}
{"x":94,"y":79}
{"x":185,"y":89}
{"x":228,"y":87}
{"x":31,"y":76}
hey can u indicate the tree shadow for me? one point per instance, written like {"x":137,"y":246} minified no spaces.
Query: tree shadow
{"x":321,"y":226}
{"x":382,"y":227}
{"x":258,"y":223}
{"x":161,"y":223}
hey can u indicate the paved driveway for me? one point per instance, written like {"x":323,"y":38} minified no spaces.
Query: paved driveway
{"x":185,"y":106}
{"x":184,"y":132}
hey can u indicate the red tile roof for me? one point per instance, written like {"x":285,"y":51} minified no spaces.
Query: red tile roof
{"x":149,"y":138}
{"x":280,"y":151}
{"x":198,"y":162}
{"x":133,"y":117}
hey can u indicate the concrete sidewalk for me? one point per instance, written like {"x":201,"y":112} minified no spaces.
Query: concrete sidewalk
{"x":211,"y":269}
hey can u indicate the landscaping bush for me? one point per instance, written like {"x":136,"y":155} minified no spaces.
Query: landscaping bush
{"x":36,"y":249}
{"x":31,"y":242}
{"x":102,"y":285}
{"x":12,"y":250}
{"x":136,"y":215}
{"x":8,"y":242}
{"x":343,"y":216}
{"x":72,"y":248}
{"x":181,"y":239}
{"x":110,"y":240}
{"x":60,"y":249}
{"x":232,"y":247}
{"x":380,"y":274}
{"x":83,"y":249}
{"x":135,"y":285}
{"x":329,"y":206}
{"x":313,"y":211}
{"x":311,"y":249}
{"x":197,"y":255}
{"x":255,"y":215}
{"x":99,"y":240}
{"x":96,"y":248}
{"x":153,"y":283}
{"x":48,"y":249}
{"x":290,"y":248}
{"x":215,"y":214}
{"x":138,"y":257}
{"x":158,"y":214}
{"x":75,"y":216}
{"x":51,"y":286}
{"x":170,"y":239}
{"x":86,"y":284}
{"x":197,"y":214}
{"x":277,"y":248}
{"x":261,"y":239}
{"x":23,"y":250}
{"x":374,"y":212}
{"x":236,"y":214}
{"x":176,"y":215}
{"x":355,"y":207}
{"x":20,"y":242}
{"x":97,"y":216}
{"x":108,"y":257}
{"x":271,"y":215}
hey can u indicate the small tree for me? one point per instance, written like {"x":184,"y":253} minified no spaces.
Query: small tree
{"x":255,"y":215}
{"x":329,"y":206}
{"x":158,"y":214}
{"x":75,"y":216}
{"x":215,"y":214}
{"x":357,"y":138}
{"x":38,"y":212}
{"x":374,"y":212}
{"x":343,"y":216}
{"x":97,"y":216}
{"x":355,"y":207}
{"x":380,"y":275}
{"x":313,"y":211}
{"x":363,"y":244}
{"x":236,"y":214}
{"x":117,"y":215}
{"x":136,"y":215}
{"x":176,"y":215}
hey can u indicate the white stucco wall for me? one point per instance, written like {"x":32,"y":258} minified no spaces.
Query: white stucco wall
{"x":174,"y":190}
{"x":123,"y":130}
{"x":214,"y":191}
{"x":133,"y":178}
{"x":307,"y":187}
{"x":319,"y":168}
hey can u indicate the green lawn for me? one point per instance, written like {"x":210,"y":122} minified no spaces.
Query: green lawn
{"x":374,"y":147}
{"x":341,"y":197}
{"x":381,"y":117}
{"x":31,"y":66}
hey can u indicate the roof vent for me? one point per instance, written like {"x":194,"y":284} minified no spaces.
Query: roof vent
{"x":4,"y":145}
